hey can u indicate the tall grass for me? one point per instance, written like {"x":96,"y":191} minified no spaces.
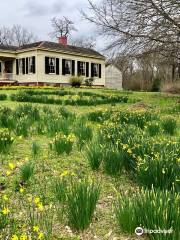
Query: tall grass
{"x":26,"y":172}
{"x":82,"y":198}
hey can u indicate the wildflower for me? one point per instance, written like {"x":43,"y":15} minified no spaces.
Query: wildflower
{"x":65,"y":173}
{"x":23,"y":237}
{"x":11,"y":166}
{"x":40,"y":236}
{"x":129,"y":151}
{"x":35,"y":228}
{"x":37,"y":200}
{"x":163,"y":171}
{"x":5,"y":198}
{"x":20,"y":137}
{"x":5,"y":211}
{"x":21,"y":190}
{"x":8,"y":173}
{"x":14,"y":237}
{"x":40,"y":206}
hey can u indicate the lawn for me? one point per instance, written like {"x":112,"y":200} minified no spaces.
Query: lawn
{"x":88,"y":164}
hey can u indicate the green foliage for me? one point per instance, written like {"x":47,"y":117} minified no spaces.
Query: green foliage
{"x":156,"y":86}
{"x":94,"y":154}
{"x":153,"y":128}
{"x":113,"y":161}
{"x":6,"y":140}
{"x":22,"y":127}
{"x":82,"y":198}
{"x":59,"y":188}
{"x":26,"y":172}
{"x":62,"y":143}
{"x":169,"y":125}
{"x":150,"y":209}
{"x":35,"y":149}
{"x":76,"y":81}
{"x":3,"y":97}
{"x":89,"y":82}
{"x":160,"y":171}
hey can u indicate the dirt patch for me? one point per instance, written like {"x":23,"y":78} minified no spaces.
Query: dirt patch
{"x":140,"y":105}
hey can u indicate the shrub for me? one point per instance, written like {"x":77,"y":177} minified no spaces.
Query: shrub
{"x":169,"y":125}
{"x":3,"y":97}
{"x":26,"y":172}
{"x":81,"y":203}
{"x":59,"y":188}
{"x":62,"y":143}
{"x":156,"y":86}
{"x":6,"y":140}
{"x":150,"y":209}
{"x":94,"y":154}
{"x":112,"y":161}
{"x":89,"y":82}
{"x":76,"y":81}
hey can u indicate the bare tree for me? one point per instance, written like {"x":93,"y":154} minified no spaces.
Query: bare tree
{"x":62,"y":27}
{"x":16,"y":35}
{"x":138,"y":26}
{"x":86,"y":42}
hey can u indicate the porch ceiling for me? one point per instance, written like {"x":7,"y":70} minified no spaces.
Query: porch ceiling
{"x":3,"y":58}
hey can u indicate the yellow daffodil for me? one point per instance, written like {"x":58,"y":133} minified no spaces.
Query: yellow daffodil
{"x":14,"y":237}
{"x":11,"y":166}
{"x":35,"y":228}
{"x":5,"y":198}
{"x":37,"y":200}
{"x":8,"y":173}
{"x":5,"y":211}
{"x":65,"y":173}
{"x":21,"y":190}
{"x":23,"y":237}
{"x":40,"y":236}
{"x":40,"y":206}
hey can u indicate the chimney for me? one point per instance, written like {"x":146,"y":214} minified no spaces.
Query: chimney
{"x":63,"y":40}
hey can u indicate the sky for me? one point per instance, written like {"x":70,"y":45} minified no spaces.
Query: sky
{"x":35,"y":15}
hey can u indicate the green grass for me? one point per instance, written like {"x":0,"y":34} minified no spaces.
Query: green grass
{"x":43,"y":121}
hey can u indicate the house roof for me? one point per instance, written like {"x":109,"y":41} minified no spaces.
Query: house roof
{"x":54,"y":46}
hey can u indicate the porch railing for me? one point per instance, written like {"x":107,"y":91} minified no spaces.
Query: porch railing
{"x":7,"y":77}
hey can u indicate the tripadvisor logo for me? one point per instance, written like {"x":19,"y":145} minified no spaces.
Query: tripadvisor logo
{"x":139,"y":231}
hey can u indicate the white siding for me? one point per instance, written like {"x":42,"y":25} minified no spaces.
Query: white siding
{"x":113,"y":77}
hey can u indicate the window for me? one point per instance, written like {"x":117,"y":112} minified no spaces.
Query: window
{"x":81,"y":68}
{"x":0,"y":68}
{"x":68,"y":66}
{"x":31,"y":65}
{"x":52,"y":65}
{"x":20,"y":66}
{"x":95,"y":70}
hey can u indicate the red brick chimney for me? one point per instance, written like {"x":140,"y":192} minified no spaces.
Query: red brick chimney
{"x":63,"y":40}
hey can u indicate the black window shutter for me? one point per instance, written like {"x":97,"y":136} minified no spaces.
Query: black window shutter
{"x":87,"y":69}
{"x":92,"y":69}
{"x":63,"y":67}
{"x":23,"y":66}
{"x":99,"y":70}
{"x":0,"y":68}
{"x":17,"y":67}
{"x":73,"y":67}
{"x":78,"y":68}
{"x":26,"y":65}
{"x":46,"y":65}
{"x":34,"y":64}
{"x":57,"y":66}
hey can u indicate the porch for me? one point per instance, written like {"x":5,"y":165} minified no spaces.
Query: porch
{"x":7,"y":70}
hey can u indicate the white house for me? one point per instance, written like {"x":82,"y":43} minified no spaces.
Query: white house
{"x":50,"y":63}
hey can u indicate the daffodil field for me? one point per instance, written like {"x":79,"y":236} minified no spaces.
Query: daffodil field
{"x":88,"y":164}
